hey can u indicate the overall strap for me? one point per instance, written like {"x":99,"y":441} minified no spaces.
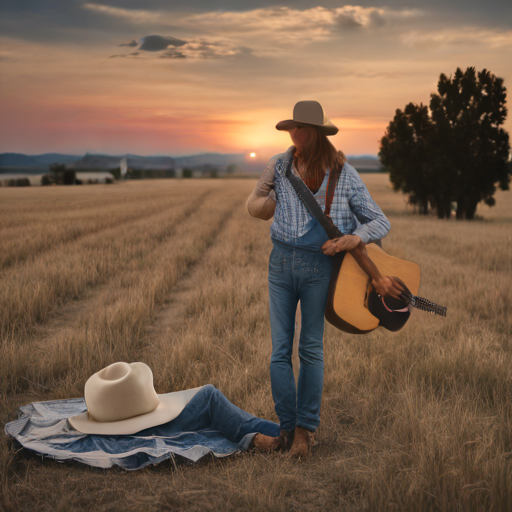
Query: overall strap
{"x":307,"y":197}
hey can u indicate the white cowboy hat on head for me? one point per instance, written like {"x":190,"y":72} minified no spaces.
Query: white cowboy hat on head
{"x":309,"y":113}
{"x":121,"y":400}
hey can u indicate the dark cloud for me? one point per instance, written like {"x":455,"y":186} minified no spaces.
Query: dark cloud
{"x":158,"y":43}
{"x":376,"y":19}
{"x":133,"y":54}
{"x":199,"y":48}
{"x":173,"y":54}
{"x":131,"y":43}
{"x":347,"y":21}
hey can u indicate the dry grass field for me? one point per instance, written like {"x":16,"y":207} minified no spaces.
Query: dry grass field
{"x":174,"y":273}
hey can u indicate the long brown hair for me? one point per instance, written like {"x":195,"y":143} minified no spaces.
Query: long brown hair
{"x":316,"y":156}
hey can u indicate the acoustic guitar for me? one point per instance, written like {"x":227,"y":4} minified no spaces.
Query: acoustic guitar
{"x":354,"y":307}
{"x":350,"y":288}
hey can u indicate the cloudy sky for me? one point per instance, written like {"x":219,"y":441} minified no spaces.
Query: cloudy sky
{"x":163,"y":77}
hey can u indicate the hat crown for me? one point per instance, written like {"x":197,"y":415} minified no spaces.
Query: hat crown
{"x":120,"y":391}
{"x":309,"y":112}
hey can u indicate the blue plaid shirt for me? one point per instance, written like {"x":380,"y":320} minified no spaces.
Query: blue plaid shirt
{"x":352,"y":210}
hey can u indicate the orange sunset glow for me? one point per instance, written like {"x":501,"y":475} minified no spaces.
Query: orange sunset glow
{"x":174,"y":79}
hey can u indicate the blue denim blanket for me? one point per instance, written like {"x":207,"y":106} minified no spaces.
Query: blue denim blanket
{"x":43,"y":428}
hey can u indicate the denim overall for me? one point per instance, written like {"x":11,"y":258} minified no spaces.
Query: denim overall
{"x":298,"y":271}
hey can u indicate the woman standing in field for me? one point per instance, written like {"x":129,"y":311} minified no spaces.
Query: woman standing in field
{"x":300,"y":262}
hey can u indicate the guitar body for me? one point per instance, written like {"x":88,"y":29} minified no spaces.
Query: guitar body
{"x":347,"y":303}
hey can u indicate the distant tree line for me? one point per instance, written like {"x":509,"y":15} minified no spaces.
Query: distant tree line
{"x":60,"y":175}
{"x":14,"y":182}
{"x":209,"y":172}
{"x":139,"y":174}
{"x":454,"y":150}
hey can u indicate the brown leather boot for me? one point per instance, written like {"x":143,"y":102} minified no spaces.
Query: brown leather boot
{"x":265,"y":443}
{"x":301,"y":447}
{"x":285,"y":440}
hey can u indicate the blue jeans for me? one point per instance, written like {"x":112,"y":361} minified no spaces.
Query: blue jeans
{"x":210,"y":409}
{"x":297,"y":273}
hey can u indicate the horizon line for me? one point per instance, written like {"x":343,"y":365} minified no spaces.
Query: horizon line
{"x":157,"y":156}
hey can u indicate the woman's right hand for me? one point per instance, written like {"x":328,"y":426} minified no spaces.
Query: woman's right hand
{"x":344,"y":243}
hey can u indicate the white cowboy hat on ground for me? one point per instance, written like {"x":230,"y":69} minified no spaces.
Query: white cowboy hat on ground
{"x":309,"y":113}
{"x":121,"y":400}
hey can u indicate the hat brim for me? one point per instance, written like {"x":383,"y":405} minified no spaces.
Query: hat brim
{"x":170,"y":407}
{"x":392,"y":313}
{"x":288,"y":124}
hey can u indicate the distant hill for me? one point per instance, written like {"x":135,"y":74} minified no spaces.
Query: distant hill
{"x":22,"y":160}
{"x":214,"y":159}
{"x":51,"y":158}
{"x":364,"y":163}
{"x":19,"y":160}
{"x":155,"y":162}
{"x":101,"y":162}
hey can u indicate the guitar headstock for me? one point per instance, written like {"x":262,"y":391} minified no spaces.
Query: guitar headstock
{"x":427,"y":305}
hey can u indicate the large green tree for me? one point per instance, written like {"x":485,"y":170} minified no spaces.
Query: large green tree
{"x":453,"y":150}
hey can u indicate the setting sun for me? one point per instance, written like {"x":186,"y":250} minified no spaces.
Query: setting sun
{"x":252,"y":155}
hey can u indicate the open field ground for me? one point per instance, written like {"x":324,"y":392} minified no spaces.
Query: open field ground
{"x":174,"y":273}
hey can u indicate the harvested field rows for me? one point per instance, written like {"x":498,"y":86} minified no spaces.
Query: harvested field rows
{"x":415,"y":420}
{"x":28,"y":292}
{"x":38,"y":235}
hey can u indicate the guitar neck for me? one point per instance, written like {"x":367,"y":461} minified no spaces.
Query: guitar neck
{"x":427,"y":305}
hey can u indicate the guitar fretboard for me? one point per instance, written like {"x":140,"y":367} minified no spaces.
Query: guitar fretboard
{"x":426,"y":305}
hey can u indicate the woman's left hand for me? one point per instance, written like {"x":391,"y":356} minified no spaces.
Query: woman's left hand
{"x":389,"y":286}
{"x":344,"y":243}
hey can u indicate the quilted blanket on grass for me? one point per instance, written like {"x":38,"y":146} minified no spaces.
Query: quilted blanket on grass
{"x":43,"y":428}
